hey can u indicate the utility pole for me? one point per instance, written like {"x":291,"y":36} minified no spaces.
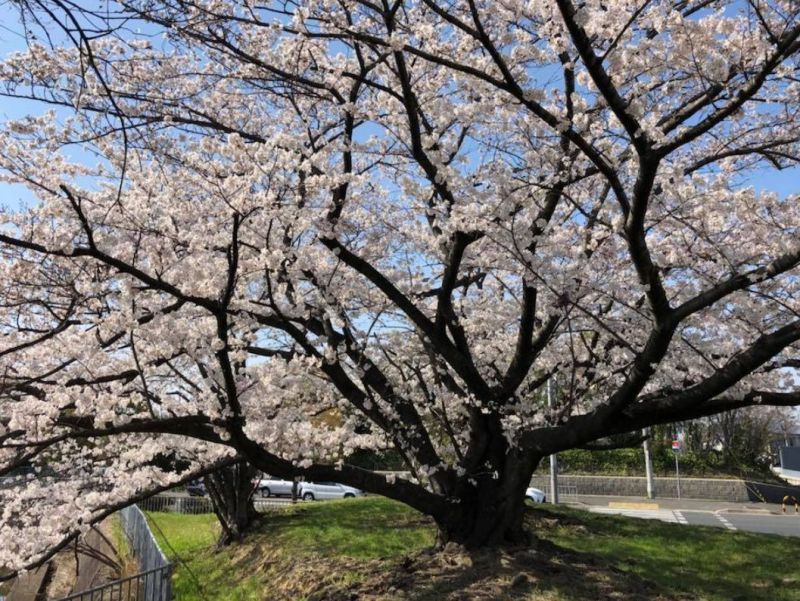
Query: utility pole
{"x":648,"y":466}
{"x":554,"y":456}
{"x":677,"y":449}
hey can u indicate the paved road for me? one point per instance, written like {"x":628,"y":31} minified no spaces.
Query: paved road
{"x":759,"y":517}
{"x":748,"y":521}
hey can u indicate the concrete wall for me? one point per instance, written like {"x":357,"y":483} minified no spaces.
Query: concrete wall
{"x":632,"y":486}
{"x":720,"y":489}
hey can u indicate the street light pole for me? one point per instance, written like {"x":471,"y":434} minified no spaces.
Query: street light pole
{"x":554,"y":456}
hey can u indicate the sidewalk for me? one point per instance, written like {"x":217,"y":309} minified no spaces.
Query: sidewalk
{"x":678,"y":504}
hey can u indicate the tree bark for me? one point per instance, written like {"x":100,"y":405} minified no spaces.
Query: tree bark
{"x":490,"y":507}
{"x":231,"y":491}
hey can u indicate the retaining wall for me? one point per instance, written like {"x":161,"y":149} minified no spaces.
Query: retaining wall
{"x":740,"y":491}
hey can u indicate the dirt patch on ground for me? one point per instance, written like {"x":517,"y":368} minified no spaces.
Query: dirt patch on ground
{"x":530,"y":573}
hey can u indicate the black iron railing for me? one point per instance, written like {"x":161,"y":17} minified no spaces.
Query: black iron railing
{"x":152,"y":585}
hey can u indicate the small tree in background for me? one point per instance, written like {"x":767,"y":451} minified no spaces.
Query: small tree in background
{"x":231,"y":490}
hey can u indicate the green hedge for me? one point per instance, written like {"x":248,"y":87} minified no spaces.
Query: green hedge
{"x":630,"y":462}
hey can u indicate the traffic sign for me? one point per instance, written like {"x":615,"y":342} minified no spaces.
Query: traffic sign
{"x":677,"y":446}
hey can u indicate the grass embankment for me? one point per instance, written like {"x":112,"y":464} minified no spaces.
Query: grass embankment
{"x":374,"y":549}
{"x":318,"y":544}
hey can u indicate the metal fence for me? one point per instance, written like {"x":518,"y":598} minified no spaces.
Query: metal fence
{"x":194,"y":505}
{"x":175,"y":504}
{"x":564,"y":492}
{"x":153,"y":583}
{"x":145,"y":549}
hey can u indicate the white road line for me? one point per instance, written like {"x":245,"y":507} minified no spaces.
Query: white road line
{"x":680,"y":518}
{"x":725,"y":522}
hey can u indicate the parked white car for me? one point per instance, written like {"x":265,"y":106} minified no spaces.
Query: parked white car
{"x":535,"y":495}
{"x":309,"y":491}
{"x":270,"y":487}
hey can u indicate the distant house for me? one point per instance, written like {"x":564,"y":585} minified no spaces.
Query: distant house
{"x":780,"y":440}
{"x":786,"y":451}
{"x":793,"y":439}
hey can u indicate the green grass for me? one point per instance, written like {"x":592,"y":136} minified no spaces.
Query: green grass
{"x":296,"y":553}
{"x":370,"y":528}
{"x":358,"y":529}
{"x":713,"y":563}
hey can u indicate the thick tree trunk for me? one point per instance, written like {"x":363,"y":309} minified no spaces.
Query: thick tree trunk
{"x":489,"y":520}
{"x":231,"y":491}
{"x":490,"y":508}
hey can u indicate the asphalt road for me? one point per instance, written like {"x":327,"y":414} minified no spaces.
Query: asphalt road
{"x":765,"y":519}
{"x":747,"y":521}
{"x":784,"y":525}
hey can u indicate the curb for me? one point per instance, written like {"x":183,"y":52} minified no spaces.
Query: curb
{"x":755,"y":511}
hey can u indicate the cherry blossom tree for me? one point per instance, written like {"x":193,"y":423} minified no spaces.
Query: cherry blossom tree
{"x":299,"y":229}
{"x":79,"y":484}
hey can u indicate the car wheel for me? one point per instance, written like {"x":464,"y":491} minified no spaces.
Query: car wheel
{"x":308,"y":496}
{"x":265,"y":492}
{"x":349,"y":495}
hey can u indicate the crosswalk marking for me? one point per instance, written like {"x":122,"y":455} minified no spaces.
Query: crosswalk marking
{"x":725,"y":522}
{"x":665,"y":515}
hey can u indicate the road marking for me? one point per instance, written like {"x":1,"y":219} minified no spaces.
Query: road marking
{"x":725,"y":522}
{"x":629,"y":505}
{"x":679,"y":516}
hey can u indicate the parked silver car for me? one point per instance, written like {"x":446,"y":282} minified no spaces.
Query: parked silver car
{"x":271,"y":487}
{"x":309,"y":491}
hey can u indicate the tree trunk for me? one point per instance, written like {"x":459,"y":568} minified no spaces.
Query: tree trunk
{"x":231,"y":491}
{"x":490,"y":507}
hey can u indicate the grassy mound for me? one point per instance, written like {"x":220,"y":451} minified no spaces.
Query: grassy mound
{"x":292,"y":553}
{"x":373,"y":549}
